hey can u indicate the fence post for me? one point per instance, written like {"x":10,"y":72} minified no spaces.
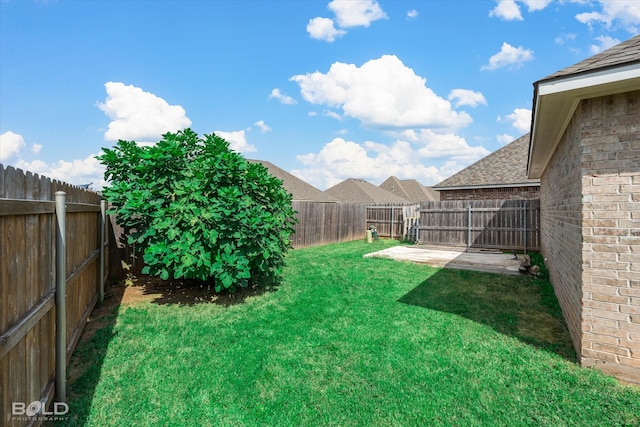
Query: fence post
{"x":525,"y":227}
{"x":103,"y":223}
{"x":468,"y":225}
{"x":61,"y":298}
{"x":391,"y":222}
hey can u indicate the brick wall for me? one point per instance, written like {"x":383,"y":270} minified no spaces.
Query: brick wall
{"x":561,"y":232}
{"x":590,"y":198}
{"x":505,"y":193}
{"x":610,"y":161}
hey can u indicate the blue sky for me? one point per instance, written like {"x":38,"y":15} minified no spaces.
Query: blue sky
{"x":327,"y":90}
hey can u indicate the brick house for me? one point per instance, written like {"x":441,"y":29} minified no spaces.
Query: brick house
{"x":500,"y":175}
{"x":585,"y":148}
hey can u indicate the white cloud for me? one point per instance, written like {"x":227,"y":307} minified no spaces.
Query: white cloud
{"x":604,"y":43}
{"x":340,"y":159}
{"x":625,"y":13}
{"x":76,"y":172}
{"x":510,"y":11}
{"x":504,"y":139}
{"x":382,"y":93}
{"x":333,"y":115}
{"x":444,"y":146}
{"x":283,"y":98}
{"x":139,"y":115}
{"x":412,"y":14}
{"x":507,"y":10}
{"x":424,"y":155}
{"x":237,"y":141}
{"x":563,"y":38}
{"x":509,"y":56}
{"x":10,"y":144}
{"x":520,"y":119}
{"x":36,"y":148}
{"x":467,"y":97}
{"x":535,"y":5}
{"x":323,"y":29}
{"x":356,"y":13}
{"x":262,"y":125}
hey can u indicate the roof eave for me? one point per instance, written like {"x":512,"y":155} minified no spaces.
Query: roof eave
{"x":478,"y":186}
{"x":556,"y":99}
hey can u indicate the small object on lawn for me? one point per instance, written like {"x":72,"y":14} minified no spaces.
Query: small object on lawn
{"x":535,"y":269}
{"x":374,"y":232}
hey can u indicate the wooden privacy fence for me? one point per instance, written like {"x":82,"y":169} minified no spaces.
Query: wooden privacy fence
{"x":51,"y":274}
{"x":500,"y":224}
{"x":393,"y":221}
{"x":320,"y":223}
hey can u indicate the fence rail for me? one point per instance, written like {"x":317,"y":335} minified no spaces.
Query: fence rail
{"x":500,"y":224}
{"x":30,"y":269}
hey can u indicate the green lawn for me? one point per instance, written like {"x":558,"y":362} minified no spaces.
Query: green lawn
{"x":348,"y":341}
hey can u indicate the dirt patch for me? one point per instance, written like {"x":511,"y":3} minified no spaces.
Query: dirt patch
{"x":184,"y":292}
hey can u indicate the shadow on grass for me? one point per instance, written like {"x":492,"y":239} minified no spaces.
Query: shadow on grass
{"x":85,"y":365}
{"x":191,"y":292}
{"x":525,"y":308}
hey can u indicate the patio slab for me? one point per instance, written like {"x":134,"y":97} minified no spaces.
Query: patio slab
{"x":480,"y":260}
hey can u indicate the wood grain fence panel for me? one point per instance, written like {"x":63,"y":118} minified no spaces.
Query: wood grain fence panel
{"x":322,"y":223}
{"x":499,"y":224}
{"x":27,"y":281}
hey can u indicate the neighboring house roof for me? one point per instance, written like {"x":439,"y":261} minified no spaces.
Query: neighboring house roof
{"x":555,"y":97}
{"x":359,"y":190}
{"x":505,"y":167}
{"x":410,"y":189}
{"x":299,"y":189}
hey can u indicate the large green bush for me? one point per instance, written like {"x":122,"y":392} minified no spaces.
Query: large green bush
{"x":198,"y":210}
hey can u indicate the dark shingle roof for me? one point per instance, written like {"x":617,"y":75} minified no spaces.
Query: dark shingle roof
{"x":410,"y":189}
{"x":506,"y":166}
{"x":299,"y":189}
{"x":359,"y":190}
{"x":624,"y":53}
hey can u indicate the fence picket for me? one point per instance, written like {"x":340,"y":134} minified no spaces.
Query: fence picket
{"x":500,"y":224}
{"x":27,"y":272}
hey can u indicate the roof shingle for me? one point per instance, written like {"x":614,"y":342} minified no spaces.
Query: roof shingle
{"x":410,"y":189}
{"x":299,"y":189}
{"x":624,"y":53}
{"x":359,"y":190}
{"x":506,"y":166}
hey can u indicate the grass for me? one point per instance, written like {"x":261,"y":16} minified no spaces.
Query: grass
{"x":348,"y":341}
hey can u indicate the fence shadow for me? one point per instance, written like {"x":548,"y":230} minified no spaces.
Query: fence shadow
{"x":85,"y":366}
{"x":524,"y":308}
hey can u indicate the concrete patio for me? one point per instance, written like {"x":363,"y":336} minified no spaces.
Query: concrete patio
{"x":490,"y":261}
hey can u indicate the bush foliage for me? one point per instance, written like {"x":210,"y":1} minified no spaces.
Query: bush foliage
{"x":198,"y":210}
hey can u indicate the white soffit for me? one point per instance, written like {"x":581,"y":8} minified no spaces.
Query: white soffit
{"x":557,"y":99}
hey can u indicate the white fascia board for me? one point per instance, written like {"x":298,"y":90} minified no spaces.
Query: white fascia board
{"x":560,"y":97}
{"x":589,"y":80}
